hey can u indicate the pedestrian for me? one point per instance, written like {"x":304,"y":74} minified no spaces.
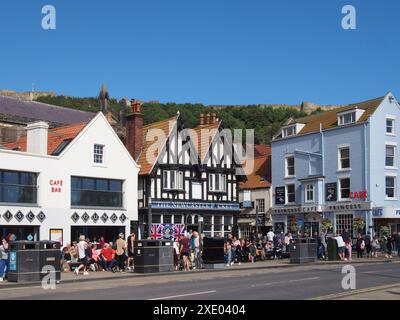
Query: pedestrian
{"x":368,"y":244}
{"x":374,"y":247}
{"x":389,"y":247}
{"x":185,"y":251}
{"x":130,"y":250}
{"x":324,"y":248}
{"x":348,"y":251}
{"x":397,"y":241}
{"x":82,"y":259}
{"x":197,"y":250}
{"x":102,"y":242}
{"x":120,"y":251}
{"x":252,"y":251}
{"x":360,"y":246}
{"x":228,"y":253}
{"x":176,"y":254}
{"x":3,"y":258}
{"x":341,"y":246}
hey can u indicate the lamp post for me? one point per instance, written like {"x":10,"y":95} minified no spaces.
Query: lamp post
{"x":149,"y":220}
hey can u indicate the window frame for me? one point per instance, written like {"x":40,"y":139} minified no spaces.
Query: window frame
{"x":393,"y":126}
{"x":260,"y":204}
{"x":394,"y":156}
{"x":394,"y":187}
{"x":287,"y":167}
{"x":173,"y":180}
{"x":98,"y":155}
{"x":340,"y":189}
{"x":306,"y":193}
{"x":292,"y":193}
{"x":212,"y":182}
{"x":341,"y":158}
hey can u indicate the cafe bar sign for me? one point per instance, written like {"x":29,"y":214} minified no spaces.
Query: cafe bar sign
{"x":297,"y":209}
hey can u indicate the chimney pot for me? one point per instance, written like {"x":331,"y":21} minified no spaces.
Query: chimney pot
{"x":208,"y":118}
{"x":202,"y":119}
{"x":37,"y":137}
{"x":214,"y":118}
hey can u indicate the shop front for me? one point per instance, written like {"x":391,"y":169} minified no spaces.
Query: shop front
{"x":386,"y":220}
{"x":210,"y":219}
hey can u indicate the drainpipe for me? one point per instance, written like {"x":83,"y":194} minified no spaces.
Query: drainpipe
{"x":368,"y":214}
{"x":323,"y":165}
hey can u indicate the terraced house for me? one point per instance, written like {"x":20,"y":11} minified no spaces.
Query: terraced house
{"x":187,"y":179}
{"x":339,"y":165}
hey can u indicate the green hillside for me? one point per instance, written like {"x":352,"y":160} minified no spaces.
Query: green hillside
{"x":264,"y":120}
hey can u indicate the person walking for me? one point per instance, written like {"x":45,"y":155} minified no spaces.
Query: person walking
{"x":389,"y":247}
{"x":368,"y":244}
{"x":82,"y":259}
{"x":3,"y":258}
{"x":120,"y":251}
{"x":185,"y":251}
{"x":228,"y":253}
{"x":374,"y":247}
{"x":197,"y":250}
{"x":130,"y":250}
{"x":360,"y":246}
{"x":397,"y":241}
{"x":270,"y":235}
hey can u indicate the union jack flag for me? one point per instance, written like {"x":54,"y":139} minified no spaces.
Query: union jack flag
{"x":167,"y":231}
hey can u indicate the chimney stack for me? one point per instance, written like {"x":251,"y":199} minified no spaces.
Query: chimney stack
{"x":135,"y":104}
{"x":202,"y":119}
{"x":214,"y":118}
{"x":37,"y":137}
{"x":134,"y":130}
{"x":208,"y":118}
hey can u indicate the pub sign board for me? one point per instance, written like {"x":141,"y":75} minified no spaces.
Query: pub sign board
{"x":279,"y":195}
{"x":331,"y":191}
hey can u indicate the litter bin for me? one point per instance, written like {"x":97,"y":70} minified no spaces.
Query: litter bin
{"x":50,"y":255}
{"x":333,"y":253}
{"x":23,"y":264}
{"x":152,"y":256}
{"x":303,"y":250}
{"x":213,"y":253}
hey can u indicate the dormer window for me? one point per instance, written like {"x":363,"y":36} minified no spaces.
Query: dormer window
{"x":292,"y":130}
{"x":350,"y":116}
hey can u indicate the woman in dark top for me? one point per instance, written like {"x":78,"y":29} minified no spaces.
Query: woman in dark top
{"x":184,"y":251}
{"x":389,"y":247}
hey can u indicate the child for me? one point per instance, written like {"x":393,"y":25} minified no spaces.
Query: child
{"x":349,"y":250}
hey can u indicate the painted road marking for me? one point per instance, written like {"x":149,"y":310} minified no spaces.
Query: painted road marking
{"x":355,"y":292}
{"x":287,"y":281}
{"x":183,"y":295}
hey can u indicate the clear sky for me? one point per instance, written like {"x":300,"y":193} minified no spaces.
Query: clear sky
{"x":208,"y":51}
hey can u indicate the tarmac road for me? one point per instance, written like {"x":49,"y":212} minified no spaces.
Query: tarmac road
{"x":303,"y":282}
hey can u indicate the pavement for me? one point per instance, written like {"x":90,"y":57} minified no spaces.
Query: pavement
{"x":70,"y":277}
{"x":272,"y":280}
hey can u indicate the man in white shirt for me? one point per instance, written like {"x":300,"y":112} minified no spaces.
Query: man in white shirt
{"x":341,"y":246}
{"x":270,"y":235}
{"x":82,"y":245}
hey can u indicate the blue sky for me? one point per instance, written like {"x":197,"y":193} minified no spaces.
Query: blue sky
{"x":208,"y":51}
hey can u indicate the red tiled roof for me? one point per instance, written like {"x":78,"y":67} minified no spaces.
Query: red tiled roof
{"x":165,"y":126}
{"x":55,"y":137}
{"x":261,"y":175}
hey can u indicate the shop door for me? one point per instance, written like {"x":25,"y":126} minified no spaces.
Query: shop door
{"x":311,"y":227}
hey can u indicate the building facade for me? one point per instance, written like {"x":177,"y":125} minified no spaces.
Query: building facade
{"x":255,"y":198}
{"x":186,"y":181}
{"x":338,"y":169}
{"x":65,"y":182}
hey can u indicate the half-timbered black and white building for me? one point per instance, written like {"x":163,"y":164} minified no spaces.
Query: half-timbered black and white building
{"x":188,"y":177}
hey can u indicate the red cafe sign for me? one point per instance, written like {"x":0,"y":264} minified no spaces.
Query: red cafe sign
{"x":56,"y":185}
{"x":359,"y":195}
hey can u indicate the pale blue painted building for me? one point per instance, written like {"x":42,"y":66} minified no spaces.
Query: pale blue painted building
{"x":338,"y":165}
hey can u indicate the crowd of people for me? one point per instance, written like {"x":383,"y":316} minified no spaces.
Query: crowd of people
{"x":85,"y":255}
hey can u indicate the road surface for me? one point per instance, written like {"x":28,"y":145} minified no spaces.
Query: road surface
{"x":303,"y":282}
